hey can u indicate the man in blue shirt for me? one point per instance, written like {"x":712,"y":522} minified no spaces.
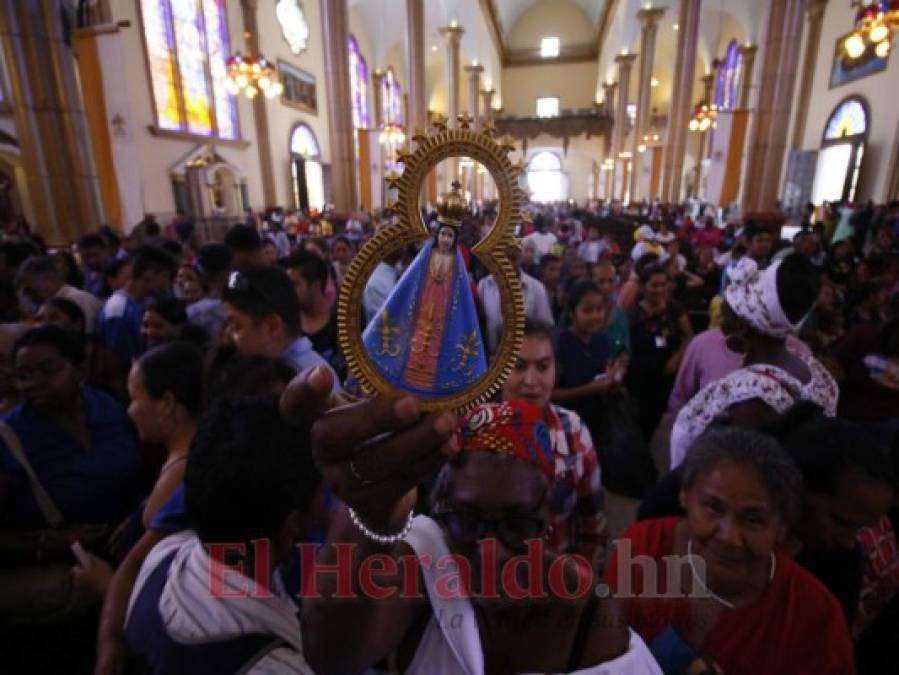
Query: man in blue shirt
{"x":264,"y":319}
{"x":118,"y":325}
{"x":95,"y":257}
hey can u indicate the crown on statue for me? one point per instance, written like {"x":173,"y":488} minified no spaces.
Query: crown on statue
{"x":452,"y":207}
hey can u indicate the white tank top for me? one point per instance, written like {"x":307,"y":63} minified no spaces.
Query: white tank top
{"x":451,"y":644}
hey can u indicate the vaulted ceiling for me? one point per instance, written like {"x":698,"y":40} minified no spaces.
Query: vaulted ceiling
{"x":500,"y":32}
{"x":509,"y":12}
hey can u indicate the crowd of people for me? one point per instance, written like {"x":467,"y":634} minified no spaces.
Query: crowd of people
{"x":192,"y":481}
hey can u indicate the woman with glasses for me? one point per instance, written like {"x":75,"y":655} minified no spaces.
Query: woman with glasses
{"x":470,"y":604}
{"x":82,"y":449}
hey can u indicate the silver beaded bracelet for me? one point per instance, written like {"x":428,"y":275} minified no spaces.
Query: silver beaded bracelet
{"x":383,"y":539}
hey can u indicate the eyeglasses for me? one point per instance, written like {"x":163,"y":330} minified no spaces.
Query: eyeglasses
{"x":40,"y":372}
{"x":513,"y":531}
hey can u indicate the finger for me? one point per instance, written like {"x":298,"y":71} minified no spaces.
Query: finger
{"x":377,"y":461}
{"x":306,"y":397}
{"x":340,"y":431}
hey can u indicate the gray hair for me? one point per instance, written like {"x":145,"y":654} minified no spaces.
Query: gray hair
{"x":756,"y":452}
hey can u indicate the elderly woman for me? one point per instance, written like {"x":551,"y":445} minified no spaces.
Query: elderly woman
{"x":720,"y":592}
{"x":771,"y":305}
{"x":489,"y":504}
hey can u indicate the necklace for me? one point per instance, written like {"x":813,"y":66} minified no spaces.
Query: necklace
{"x":712,"y":594}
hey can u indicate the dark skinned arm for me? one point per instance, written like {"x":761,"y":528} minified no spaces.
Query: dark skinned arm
{"x":110,"y":635}
{"x":394,"y":447}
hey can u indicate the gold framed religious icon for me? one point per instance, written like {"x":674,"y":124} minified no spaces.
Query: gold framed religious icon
{"x":426,"y":339}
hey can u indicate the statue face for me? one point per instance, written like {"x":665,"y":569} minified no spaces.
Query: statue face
{"x":446,"y":237}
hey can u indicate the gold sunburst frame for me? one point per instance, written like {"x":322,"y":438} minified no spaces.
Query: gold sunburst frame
{"x":431,"y":149}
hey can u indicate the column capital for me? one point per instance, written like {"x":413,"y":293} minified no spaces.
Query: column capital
{"x":453,"y":33}
{"x":625,"y":60}
{"x":650,"y":16}
{"x":378,"y":74}
{"x":474,"y":69}
{"x":748,"y":50}
{"x":815,"y":9}
{"x":488,"y":92}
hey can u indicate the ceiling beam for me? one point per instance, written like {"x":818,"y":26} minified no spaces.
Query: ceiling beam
{"x":605,"y":21}
{"x":488,"y":8}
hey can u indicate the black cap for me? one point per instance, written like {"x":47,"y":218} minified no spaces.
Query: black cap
{"x":243,"y":238}
{"x":262,"y":291}
{"x":215,"y":258}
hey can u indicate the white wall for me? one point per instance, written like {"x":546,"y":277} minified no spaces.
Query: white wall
{"x":880,"y":90}
{"x":159,"y":154}
{"x":571,"y":82}
{"x":282,"y":118}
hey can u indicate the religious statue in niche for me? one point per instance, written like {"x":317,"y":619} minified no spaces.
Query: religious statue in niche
{"x":294,"y":26}
{"x":426,"y":337}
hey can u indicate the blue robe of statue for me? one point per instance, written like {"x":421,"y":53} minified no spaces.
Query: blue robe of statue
{"x":462,"y":360}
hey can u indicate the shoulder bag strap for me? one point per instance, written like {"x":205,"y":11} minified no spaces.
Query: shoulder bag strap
{"x":44,"y":501}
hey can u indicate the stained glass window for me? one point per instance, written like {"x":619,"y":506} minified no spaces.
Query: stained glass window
{"x":358,"y":85}
{"x":849,"y":119}
{"x":727,"y":86}
{"x":187,"y":45}
{"x":391,"y":99}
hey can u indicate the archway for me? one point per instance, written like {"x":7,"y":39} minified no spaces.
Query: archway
{"x":307,"y":182}
{"x":842,"y":151}
{"x":546,"y":182}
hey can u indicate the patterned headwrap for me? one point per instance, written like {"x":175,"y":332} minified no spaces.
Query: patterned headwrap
{"x":511,"y":428}
{"x":752,"y":294}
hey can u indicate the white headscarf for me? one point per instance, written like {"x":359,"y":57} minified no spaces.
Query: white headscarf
{"x":752,"y":294}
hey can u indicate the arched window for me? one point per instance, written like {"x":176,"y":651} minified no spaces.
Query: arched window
{"x":306,"y":169}
{"x":358,"y":85}
{"x":842,"y":151}
{"x":303,"y":143}
{"x":545,"y":179}
{"x":849,"y":119}
{"x":391,"y":99}
{"x":727,"y":86}
{"x":187,"y":45}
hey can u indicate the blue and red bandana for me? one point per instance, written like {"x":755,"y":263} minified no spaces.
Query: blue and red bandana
{"x":510,"y":428}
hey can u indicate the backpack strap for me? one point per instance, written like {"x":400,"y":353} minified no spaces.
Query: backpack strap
{"x":44,"y":501}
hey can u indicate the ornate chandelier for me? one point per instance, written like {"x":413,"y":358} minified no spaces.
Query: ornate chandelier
{"x":875,"y":23}
{"x":705,"y":117}
{"x":392,"y":134}
{"x":251,"y":75}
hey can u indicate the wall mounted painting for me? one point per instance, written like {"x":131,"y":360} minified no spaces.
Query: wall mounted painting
{"x":847,"y":70}
{"x":299,"y":88}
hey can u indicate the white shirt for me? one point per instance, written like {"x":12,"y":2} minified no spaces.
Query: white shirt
{"x":451,"y":643}
{"x":544,"y":241}
{"x":379,"y":285}
{"x":88,"y":303}
{"x":536,"y":306}
{"x":590,"y":251}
